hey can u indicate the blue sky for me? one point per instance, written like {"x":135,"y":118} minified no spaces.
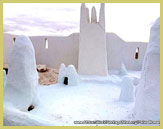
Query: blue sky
{"x":130,"y":21}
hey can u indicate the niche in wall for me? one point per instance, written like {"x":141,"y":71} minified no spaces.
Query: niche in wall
{"x":14,"y":40}
{"x":46,"y":43}
{"x":65,"y":80}
{"x":137,"y":53}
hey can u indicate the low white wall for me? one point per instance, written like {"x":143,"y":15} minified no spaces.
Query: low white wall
{"x":60,"y":50}
{"x":7,"y":45}
{"x":119,"y":51}
{"x":66,"y":50}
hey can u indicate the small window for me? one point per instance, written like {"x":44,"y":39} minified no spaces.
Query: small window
{"x":66,"y":81}
{"x":137,"y":53}
{"x":46,"y":43}
{"x":14,"y":40}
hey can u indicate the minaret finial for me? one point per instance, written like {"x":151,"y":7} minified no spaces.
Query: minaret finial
{"x":83,"y":16}
{"x":93,"y":15}
{"x":87,"y":15}
{"x":102,"y":16}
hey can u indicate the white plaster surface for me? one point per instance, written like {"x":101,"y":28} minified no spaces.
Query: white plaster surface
{"x":94,"y":98}
{"x":15,"y":117}
{"x":92,"y":47}
{"x":93,"y":15}
{"x":147,"y":105}
{"x":123,"y":70}
{"x":66,"y":50}
{"x":127,"y":89}
{"x":21,"y":87}
{"x":22,"y":79}
{"x":4,"y":79}
{"x":102,"y":16}
{"x":62,"y":71}
{"x":70,"y":73}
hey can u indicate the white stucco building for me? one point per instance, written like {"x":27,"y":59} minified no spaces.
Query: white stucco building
{"x":109,"y":54}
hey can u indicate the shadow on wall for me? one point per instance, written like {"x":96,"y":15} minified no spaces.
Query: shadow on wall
{"x":54,"y":50}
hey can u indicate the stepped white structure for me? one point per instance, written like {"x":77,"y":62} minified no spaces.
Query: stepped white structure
{"x":92,"y":43}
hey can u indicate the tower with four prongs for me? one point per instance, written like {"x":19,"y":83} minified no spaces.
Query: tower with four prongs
{"x":92,"y":43}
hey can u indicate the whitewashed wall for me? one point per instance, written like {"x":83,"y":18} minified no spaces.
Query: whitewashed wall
{"x":119,"y":51}
{"x":7,"y":45}
{"x":60,"y":50}
{"x":65,"y":50}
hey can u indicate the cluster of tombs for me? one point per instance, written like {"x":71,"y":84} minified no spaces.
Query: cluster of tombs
{"x":23,"y":77}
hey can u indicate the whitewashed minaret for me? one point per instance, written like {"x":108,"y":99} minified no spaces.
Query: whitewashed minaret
{"x":92,"y":43}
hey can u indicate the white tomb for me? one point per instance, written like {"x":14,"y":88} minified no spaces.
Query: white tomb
{"x":127,"y":89}
{"x":68,"y":76}
{"x":147,"y":105}
{"x":123,"y":70}
{"x":22,"y":81}
{"x":92,"y":43}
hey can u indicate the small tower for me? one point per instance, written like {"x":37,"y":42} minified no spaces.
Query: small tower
{"x":92,"y":43}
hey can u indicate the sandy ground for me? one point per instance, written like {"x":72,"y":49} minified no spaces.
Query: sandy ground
{"x":49,"y":77}
{"x":45,"y":78}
